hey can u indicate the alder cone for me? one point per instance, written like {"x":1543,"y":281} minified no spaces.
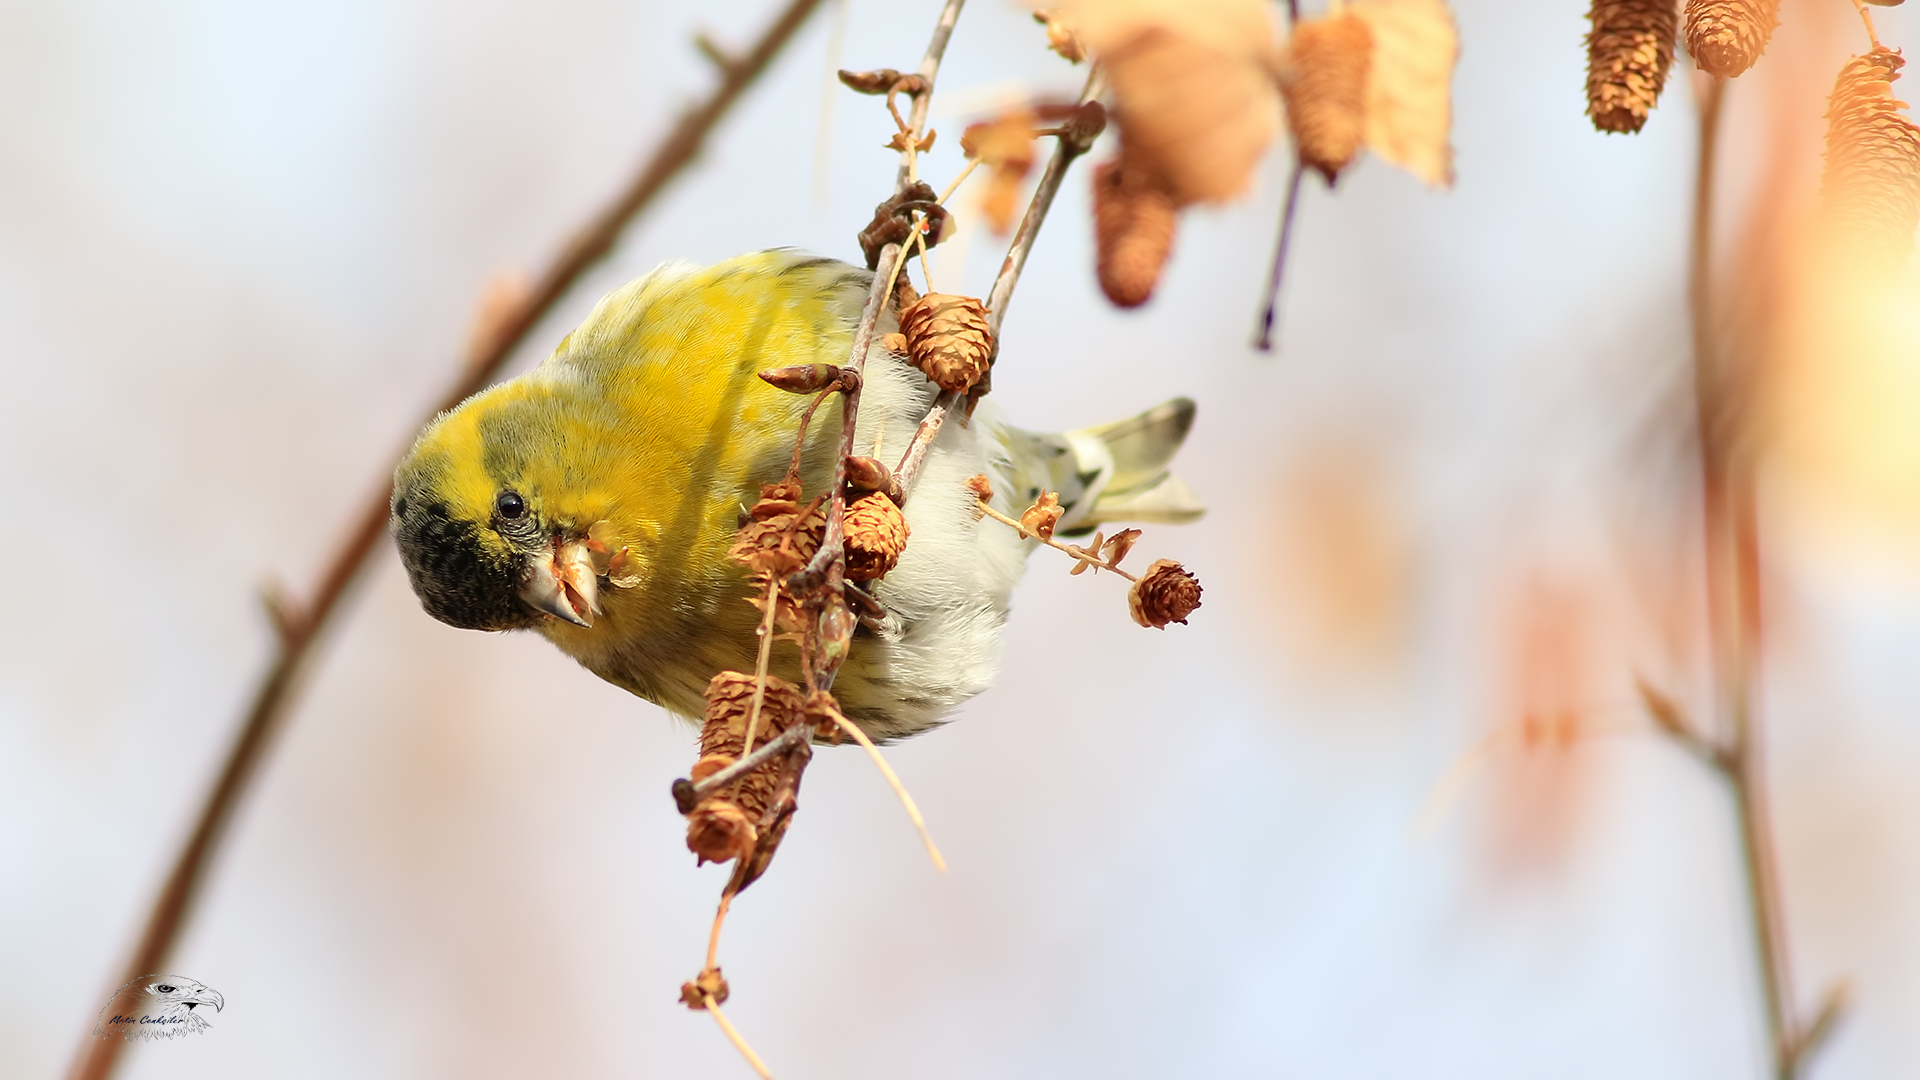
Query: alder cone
{"x":1166,"y":593}
{"x":1870,"y":188}
{"x":722,"y":825}
{"x":876,"y":535}
{"x":1133,"y":225}
{"x":776,"y":539}
{"x":1325,"y":87}
{"x":1726,"y":37}
{"x":1629,"y":52}
{"x":948,"y":339}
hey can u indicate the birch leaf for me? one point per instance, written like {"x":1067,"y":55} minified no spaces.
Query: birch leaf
{"x":1193,"y":99}
{"x":1409,"y":85}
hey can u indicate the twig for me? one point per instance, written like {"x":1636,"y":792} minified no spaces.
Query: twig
{"x":928,"y":70}
{"x":893,"y":781}
{"x":916,"y":456}
{"x":766,"y":654}
{"x":733,"y":1036}
{"x":1731,"y":539}
{"x":1867,"y":18}
{"x":1666,"y":714}
{"x":827,"y":568}
{"x":972,"y":164}
{"x":1075,"y":138}
{"x":170,"y":907}
{"x":687,"y":794}
{"x":1263,"y":340}
{"x":1082,"y":554}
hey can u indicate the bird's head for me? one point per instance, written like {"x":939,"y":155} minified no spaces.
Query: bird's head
{"x":491,"y":521}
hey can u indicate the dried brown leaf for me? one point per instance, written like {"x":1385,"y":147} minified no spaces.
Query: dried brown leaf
{"x":1060,"y":36}
{"x":1040,"y":518}
{"x":1193,"y":96}
{"x":1004,"y":145}
{"x":1410,"y":84}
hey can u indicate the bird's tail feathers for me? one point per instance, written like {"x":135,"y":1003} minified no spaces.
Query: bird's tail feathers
{"x":1113,"y":472}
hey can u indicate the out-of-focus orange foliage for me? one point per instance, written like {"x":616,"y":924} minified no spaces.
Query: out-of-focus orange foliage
{"x":1553,"y":664}
{"x":1192,"y":91}
{"x":1342,"y":565}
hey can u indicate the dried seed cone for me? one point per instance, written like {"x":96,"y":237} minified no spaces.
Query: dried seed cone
{"x":722,"y":825}
{"x":776,"y":540}
{"x":1133,"y":226}
{"x":876,"y":535}
{"x":1725,"y":37}
{"x":1326,"y":90}
{"x":1166,"y":593}
{"x":948,"y":339}
{"x":1629,"y":52}
{"x":1871,"y":186}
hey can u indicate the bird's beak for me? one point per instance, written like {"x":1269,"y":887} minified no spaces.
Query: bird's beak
{"x":562,"y":583}
{"x":208,"y":997}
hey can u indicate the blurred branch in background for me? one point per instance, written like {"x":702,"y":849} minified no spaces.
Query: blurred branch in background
{"x":505,"y":324}
{"x":1723,"y":373}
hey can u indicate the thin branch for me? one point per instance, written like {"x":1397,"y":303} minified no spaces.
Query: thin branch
{"x":1731,"y":539}
{"x":1079,"y":553}
{"x":303,"y":626}
{"x":1074,"y":139}
{"x":1673,"y":723}
{"x":1263,"y":340}
{"x":733,"y":1036}
{"x":687,"y":793}
{"x":929,"y":69}
{"x":893,"y":781}
{"x":827,"y":568}
{"x":1867,"y":18}
{"x":916,"y":456}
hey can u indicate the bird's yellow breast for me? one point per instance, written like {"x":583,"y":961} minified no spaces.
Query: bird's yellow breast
{"x":650,"y":423}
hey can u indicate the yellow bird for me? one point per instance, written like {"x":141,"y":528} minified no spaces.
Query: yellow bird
{"x":648,"y":430}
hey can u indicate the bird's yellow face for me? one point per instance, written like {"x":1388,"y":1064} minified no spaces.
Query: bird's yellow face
{"x":491,"y":522}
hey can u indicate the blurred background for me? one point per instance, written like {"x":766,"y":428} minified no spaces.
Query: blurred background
{"x":1386,"y":808}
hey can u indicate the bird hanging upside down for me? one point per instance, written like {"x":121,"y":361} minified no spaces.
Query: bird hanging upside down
{"x":647,"y":433}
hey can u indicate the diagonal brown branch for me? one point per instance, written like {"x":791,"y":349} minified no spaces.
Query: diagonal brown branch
{"x":301,"y":627}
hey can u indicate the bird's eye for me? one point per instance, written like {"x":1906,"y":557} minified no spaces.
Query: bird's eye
{"x":164,"y":988}
{"x":510,"y":506}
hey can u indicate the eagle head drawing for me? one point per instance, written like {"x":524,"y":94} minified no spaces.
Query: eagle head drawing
{"x":158,"y":1007}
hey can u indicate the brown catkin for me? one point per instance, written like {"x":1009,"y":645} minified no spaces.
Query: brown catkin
{"x":1870,"y":188}
{"x":1133,"y":226}
{"x":1326,"y":90}
{"x":1725,"y":37}
{"x":1629,"y":52}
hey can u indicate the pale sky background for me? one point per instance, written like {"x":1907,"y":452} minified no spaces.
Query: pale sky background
{"x":240,"y":245}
